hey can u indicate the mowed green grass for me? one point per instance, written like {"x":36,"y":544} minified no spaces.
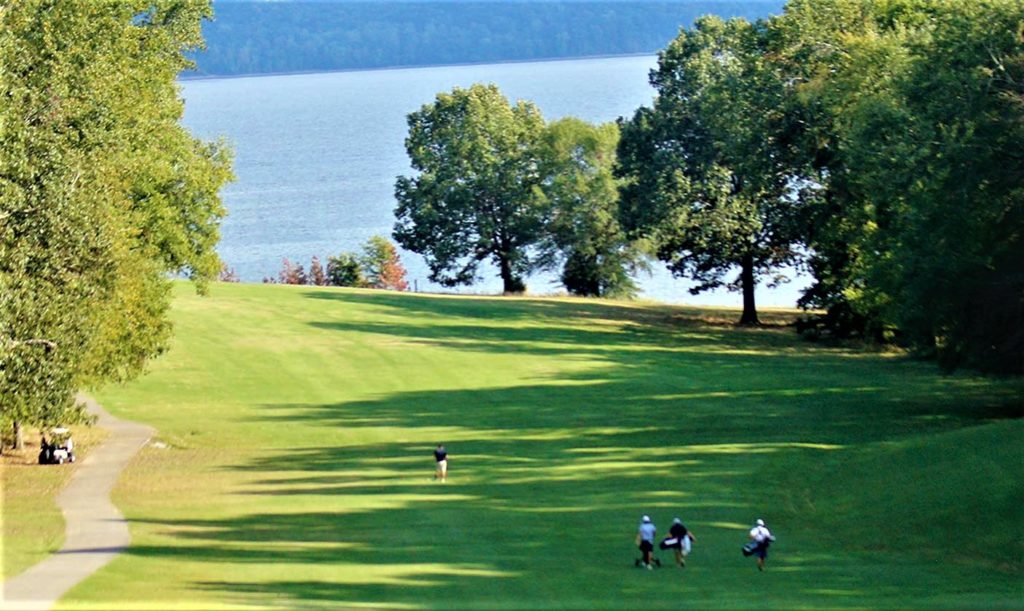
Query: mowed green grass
{"x":300,"y":424}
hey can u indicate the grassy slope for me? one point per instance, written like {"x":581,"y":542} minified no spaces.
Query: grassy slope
{"x":301,"y":422}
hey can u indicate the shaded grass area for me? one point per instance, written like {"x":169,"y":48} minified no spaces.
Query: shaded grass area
{"x":300,"y":423}
{"x":32,"y":525}
{"x":961,"y":487}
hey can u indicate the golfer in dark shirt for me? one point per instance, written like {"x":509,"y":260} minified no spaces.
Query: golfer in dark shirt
{"x":683,"y":538}
{"x":441,"y":456}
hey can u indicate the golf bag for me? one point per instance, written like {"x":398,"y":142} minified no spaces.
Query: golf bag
{"x":649,"y":547}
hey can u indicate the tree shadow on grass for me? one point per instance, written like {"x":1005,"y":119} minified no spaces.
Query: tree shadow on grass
{"x":447,"y":307}
{"x":672,"y":355}
{"x":760,"y":399}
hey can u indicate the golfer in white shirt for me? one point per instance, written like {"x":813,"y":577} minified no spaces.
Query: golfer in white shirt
{"x":763,"y":538}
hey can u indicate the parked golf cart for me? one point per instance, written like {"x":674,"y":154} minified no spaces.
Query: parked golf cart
{"x":59,"y":449}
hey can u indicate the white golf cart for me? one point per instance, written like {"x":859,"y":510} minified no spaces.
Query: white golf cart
{"x":59,"y":450}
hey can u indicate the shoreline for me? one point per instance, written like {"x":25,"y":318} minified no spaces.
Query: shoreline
{"x":547,"y":60}
{"x":642,"y":298}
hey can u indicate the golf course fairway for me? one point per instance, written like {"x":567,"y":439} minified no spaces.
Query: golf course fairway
{"x":292,"y":465}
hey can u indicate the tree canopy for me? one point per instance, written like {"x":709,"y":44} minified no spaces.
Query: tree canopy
{"x":102,"y":194}
{"x":877,"y":143}
{"x":473,"y":198}
{"x":581,"y":195}
{"x":914,"y":120}
{"x":706,"y":177}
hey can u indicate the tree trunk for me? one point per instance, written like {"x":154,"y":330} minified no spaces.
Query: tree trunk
{"x":506,"y":274}
{"x":19,"y":437}
{"x":749,"y":316}
{"x":511,"y":283}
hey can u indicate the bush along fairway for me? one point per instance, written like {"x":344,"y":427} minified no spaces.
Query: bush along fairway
{"x":299,"y":425}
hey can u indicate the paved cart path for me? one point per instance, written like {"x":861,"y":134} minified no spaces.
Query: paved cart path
{"x":95,"y":531}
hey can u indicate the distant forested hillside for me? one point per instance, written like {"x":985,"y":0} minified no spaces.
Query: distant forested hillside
{"x":261,"y":37}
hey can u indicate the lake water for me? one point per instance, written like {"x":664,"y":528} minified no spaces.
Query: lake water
{"x":317,"y":156}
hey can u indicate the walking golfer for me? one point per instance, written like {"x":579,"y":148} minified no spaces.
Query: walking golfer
{"x":441,"y":457}
{"x":683,"y":538}
{"x":645,"y":540}
{"x":760,"y":535}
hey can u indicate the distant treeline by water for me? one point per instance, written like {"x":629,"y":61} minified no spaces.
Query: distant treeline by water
{"x":261,"y":37}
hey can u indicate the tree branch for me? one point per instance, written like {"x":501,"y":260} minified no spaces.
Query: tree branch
{"x":36,"y":341}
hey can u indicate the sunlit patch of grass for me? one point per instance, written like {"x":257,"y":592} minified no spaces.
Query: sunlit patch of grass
{"x":774,"y":393}
{"x":728,"y":525}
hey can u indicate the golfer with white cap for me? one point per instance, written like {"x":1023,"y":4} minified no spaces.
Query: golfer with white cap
{"x":760,"y":535}
{"x":645,"y":540}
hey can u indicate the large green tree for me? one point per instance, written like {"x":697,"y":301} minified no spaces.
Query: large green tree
{"x":805,"y":45}
{"x":916,"y":122}
{"x":707,"y":173}
{"x":582,"y":196}
{"x":102,"y":194}
{"x":473,"y":196}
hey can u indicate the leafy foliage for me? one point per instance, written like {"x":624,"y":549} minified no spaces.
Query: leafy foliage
{"x":345,"y":270}
{"x":473,"y":198}
{"x":581,"y":194}
{"x":707,"y":178}
{"x":102,"y":193}
{"x":291,"y":273}
{"x":917,"y":131}
{"x":317,"y":276}
{"x":382,"y":266}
